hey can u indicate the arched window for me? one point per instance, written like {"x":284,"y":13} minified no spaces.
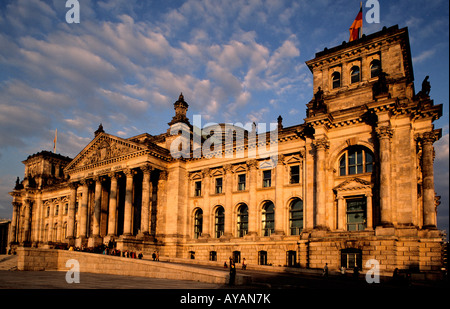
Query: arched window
{"x":296,"y":216}
{"x":356,"y":160}
{"x":55,"y":233}
{"x":336,"y":80}
{"x":198,"y":223}
{"x":268,"y":219}
{"x":242,"y":220}
{"x":355,"y":74}
{"x":65,"y":230}
{"x":375,"y":68}
{"x":219,"y":224}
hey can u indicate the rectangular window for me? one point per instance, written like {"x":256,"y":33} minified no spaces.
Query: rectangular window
{"x":267,"y":178}
{"x":356,"y":214}
{"x":241,"y":182}
{"x":295,"y":174}
{"x":198,"y":188}
{"x":219,"y":185}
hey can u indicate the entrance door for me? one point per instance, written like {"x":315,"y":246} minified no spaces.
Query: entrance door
{"x":291,"y":258}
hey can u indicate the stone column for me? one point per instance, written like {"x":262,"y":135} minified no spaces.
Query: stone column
{"x":97,"y":207}
{"x":429,"y":206}
{"x":27,"y":220}
{"x":128,"y":216}
{"x":279,"y":205}
{"x":13,"y":238}
{"x":206,"y":206}
{"x":71,"y":219}
{"x":369,"y":211}
{"x":252,"y":207}
{"x":112,"y":220}
{"x":146,"y":198}
{"x":228,"y":232}
{"x":341,"y":213}
{"x":321,"y":145}
{"x":384,"y":135}
{"x":84,"y":208}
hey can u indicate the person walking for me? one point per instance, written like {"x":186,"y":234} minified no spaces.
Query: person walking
{"x":232,"y":272}
{"x":325,"y":271}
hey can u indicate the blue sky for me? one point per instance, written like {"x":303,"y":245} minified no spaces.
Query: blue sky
{"x":127,"y":61}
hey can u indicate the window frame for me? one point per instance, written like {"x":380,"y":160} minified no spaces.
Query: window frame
{"x":359,"y":225}
{"x":291,"y":175}
{"x":378,"y":70}
{"x":293,"y":219}
{"x":242,"y":220}
{"x":218,"y":189}
{"x":242,"y":184}
{"x":198,"y":188}
{"x":219,"y":222}
{"x":335,"y":78}
{"x":354,"y":160}
{"x":355,"y":78}
{"x":198,"y":223}
{"x":268,"y":219}
{"x":267,"y":181}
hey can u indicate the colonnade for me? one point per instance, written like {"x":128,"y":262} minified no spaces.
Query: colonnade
{"x":133,"y":199}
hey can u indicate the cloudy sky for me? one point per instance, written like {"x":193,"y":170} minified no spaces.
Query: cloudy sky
{"x":127,"y":61}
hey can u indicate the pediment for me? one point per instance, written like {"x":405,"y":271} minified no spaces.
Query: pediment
{"x":353,"y":184}
{"x":102,"y":149}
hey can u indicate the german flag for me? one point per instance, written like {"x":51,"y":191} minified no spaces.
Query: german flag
{"x":356,"y":28}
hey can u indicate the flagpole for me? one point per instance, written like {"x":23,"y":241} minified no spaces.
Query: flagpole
{"x":362,"y":20}
{"x":55,"y":140}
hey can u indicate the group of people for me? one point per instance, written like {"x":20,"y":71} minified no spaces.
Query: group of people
{"x":244,"y":264}
{"x":342,"y":270}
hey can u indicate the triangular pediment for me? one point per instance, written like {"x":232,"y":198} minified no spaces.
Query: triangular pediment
{"x":352,"y":184}
{"x":102,"y":149}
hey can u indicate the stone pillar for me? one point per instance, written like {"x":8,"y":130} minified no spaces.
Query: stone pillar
{"x":206,"y":206}
{"x":38,"y":220}
{"x":27,"y":221}
{"x":97,"y":207}
{"x":146,"y":198}
{"x":321,"y":145}
{"x":384,"y":135}
{"x":369,"y":211}
{"x":128,"y":216}
{"x":112,"y":220}
{"x":71,"y":219}
{"x":429,"y":206}
{"x":84,"y":208}
{"x":252,"y":207}
{"x":279,"y":201}
{"x":342,"y":213}
{"x":228,"y":200}
{"x":13,"y":238}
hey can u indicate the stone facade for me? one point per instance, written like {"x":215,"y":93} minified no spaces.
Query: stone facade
{"x":354,"y":182}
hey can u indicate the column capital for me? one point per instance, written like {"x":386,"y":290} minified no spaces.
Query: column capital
{"x":129,"y":172}
{"x":146,"y":168}
{"x":252,"y":164}
{"x":428,"y":137}
{"x":163,"y":175}
{"x":321,"y":143}
{"x":227,"y":168}
{"x":384,"y":132}
{"x":114,"y":175}
{"x":206,"y":172}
